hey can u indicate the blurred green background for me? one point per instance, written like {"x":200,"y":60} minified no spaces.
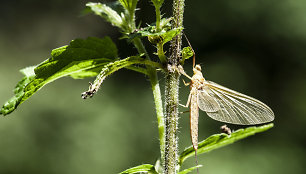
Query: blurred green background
{"x":257,"y":47}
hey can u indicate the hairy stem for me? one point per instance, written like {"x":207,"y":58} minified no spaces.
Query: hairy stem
{"x":171,"y":93}
{"x":157,"y":97}
{"x":160,"y":49}
{"x":159,"y":111}
{"x":175,"y":47}
{"x":161,"y":53}
{"x":158,"y":18}
{"x":171,"y":120}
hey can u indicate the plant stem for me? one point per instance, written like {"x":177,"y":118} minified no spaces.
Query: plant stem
{"x":171,"y":93}
{"x":160,"y":49}
{"x":157,"y":98}
{"x":159,"y":111}
{"x":175,"y":47}
{"x":171,"y":121}
{"x":158,"y":18}
{"x":161,"y":53}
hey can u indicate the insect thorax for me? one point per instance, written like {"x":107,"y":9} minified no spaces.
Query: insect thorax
{"x":197,"y":79}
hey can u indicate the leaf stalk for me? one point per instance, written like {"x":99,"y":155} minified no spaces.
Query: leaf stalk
{"x":156,"y":95}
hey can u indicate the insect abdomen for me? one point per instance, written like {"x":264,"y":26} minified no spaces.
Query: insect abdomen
{"x":194,"y":119}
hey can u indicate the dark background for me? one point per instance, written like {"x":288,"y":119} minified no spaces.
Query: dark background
{"x":257,"y":47}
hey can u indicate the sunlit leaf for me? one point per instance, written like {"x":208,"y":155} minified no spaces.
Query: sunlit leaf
{"x":158,"y":166}
{"x":81,"y":58}
{"x":148,"y":168}
{"x":189,"y":169}
{"x":165,"y":24}
{"x":219,"y":140}
{"x":107,"y":13}
{"x":9,"y":106}
{"x":129,"y":5}
{"x":156,"y":37}
{"x":187,"y":52}
{"x":171,"y":34}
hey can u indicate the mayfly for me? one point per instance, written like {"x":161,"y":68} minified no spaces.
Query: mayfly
{"x":221,"y":104}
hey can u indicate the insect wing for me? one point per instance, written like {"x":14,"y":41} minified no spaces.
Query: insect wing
{"x":206,"y":101}
{"x":236,"y":108}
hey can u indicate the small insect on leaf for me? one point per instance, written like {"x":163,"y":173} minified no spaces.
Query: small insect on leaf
{"x":226,"y":129}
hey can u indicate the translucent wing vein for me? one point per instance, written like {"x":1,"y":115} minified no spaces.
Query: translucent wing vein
{"x":233,"y":107}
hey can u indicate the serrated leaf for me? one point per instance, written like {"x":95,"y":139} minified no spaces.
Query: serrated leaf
{"x":79,"y":59}
{"x":129,"y":5}
{"x":8,"y":107}
{"x":187,"y":52}
{"x":189,"y":169}
{"x":161,"y":37}
{"x":149,"y":168}
{"x":219,"y":140}
{"x":171,"y":34}
{"x":165,"y":23}
{"x":108,"y":13}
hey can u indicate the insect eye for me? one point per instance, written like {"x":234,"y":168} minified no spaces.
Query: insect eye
{"x":198,"y":67}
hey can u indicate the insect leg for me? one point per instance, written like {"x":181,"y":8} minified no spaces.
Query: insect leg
{"x":186,"y":84}
{"x":183,"y":112}
{"x":196,"y":158}
{"x":188,"y":101}
{"x":180,"y":69}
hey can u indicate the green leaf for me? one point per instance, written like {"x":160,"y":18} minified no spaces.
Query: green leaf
{"x":82,"y":58}
{"x":121,"y":15}
{"x":219,"y":140}
{"x":187,"y":52}
{"x":165,"y":23}
{"x":171,"y":34}
{"x":10,"y":105}
{"x":158,"y":166}
{"x":189,"y":169}
{"x":86,"y":73}
{"x":157,"y":3}
{"x":129,"y":5}
{"x":163,"y":36}
{"x":142,"y":168}
{"x":107,"y":13}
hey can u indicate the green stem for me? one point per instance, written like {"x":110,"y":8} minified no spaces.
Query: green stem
{"x":175,"y":47}
{"x":158,"y":18}
{"x":160,"y":49}
{"x":171,"y":93}
{"x":171,"y":121}
{"x":161,"y":53}
{"x":157,"y":97}
{"x":159,"y":112}
{"x":140,"y":47}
